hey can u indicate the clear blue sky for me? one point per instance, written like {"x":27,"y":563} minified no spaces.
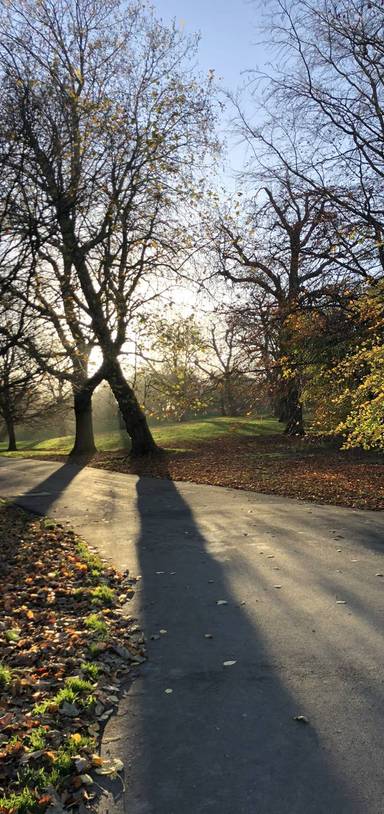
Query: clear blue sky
{"x":228,"y":33}
{"x":228,"y":44}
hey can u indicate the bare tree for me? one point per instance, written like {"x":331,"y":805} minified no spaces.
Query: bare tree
{"x":323,"y":105}
{"x":27,"y":394}
{"x":101,"y":100}
{"x":280,"y":250}
{"x":227,"y":364}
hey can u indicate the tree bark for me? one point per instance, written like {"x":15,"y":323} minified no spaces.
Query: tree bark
{"x":142,"y":442}
{"x":84,"y":436}
{"x":12,"y":446}
{"x":83,"y":390}
{"x":294,"y":412}
{"x":223,"y":409}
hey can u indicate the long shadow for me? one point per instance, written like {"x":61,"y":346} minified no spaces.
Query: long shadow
{"x":42,"y":495}
{"x":200,"y":736}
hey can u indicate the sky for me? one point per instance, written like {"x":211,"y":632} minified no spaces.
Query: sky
{"x":229,"y":45}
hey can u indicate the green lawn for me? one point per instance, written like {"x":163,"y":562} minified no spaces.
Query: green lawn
{"x":167,"y":435}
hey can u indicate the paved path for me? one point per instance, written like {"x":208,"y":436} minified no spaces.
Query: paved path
{"x":224,"y":741}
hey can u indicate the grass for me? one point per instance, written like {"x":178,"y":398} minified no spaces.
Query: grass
{"x":94,"y":563}
{"x":102,"y":595}
{"x":22,"y":803}
{"x":75,"y":691}
{"x":167,"y":435}
{"x":5,"y":676}
{"x":91,"y":669}
{"x":12,"y":635}
{"x":25,"y":802}
{"x":96,"y":624}
{"x":37,"y":739}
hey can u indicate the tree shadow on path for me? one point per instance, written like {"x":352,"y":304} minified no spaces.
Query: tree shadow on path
{"x":224,"y":740}
{"x":40,"y":498}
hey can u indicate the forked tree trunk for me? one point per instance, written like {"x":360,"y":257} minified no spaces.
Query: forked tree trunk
{"x":142,"y":442}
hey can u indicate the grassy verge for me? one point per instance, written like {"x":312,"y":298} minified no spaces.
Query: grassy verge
{"x":65,"y":647}
{"x":167,"y":435}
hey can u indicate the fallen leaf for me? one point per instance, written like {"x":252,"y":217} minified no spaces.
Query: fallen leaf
{"x":86,"y":779}
{"x":110,"y":767}
{"x":301,"y":719}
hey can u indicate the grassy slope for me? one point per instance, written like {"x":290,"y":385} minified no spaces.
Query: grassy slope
{"x":167,"y":435}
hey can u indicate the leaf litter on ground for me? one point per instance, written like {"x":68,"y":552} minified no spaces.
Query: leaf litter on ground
{"x":66,"y":648}
{"x":313,"y":468}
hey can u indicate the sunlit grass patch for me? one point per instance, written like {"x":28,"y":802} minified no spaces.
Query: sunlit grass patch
{"x":5,"y":676}
{"x":96,"y":624}
{"x":102,"y":595}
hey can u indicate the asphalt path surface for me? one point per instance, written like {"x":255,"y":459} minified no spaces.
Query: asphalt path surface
{"x":290,"y":593}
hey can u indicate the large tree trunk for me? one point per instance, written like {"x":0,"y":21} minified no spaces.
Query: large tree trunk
{"x":293,"y":411}
{"x":84,"y":437}
{"x":12,"y":446}
{"x":134,"y":418}
{"x":83,"y":390}
{"x":223,"y":409}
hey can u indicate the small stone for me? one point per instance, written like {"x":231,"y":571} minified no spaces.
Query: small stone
{"x":107,"y":714}
{"x":123,"y":652}
{"x":81,"y":764}
{"x":69,"y":710}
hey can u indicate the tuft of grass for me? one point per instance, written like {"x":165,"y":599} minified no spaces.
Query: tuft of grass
{"x":77,"y":742}
{"x":96,"y":623}
{"x":93,"y":562}
{"x":5,"y":676}
{"x":38,"y":780}
{"x":102,"y":595}
{"x":75,"y":691}
{"x":91,"y":669}
{"x":94,"y":649}
{"x":24,"y":802}
{"x":37,"y":739}
{"x":78,"y":685}
{"x":12,"y":635}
